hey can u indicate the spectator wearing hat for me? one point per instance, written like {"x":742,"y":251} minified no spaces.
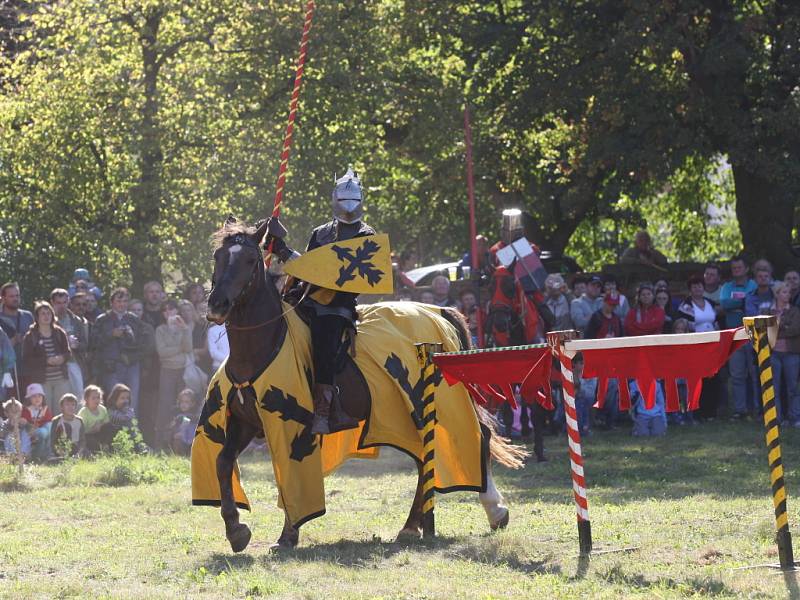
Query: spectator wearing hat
{"x":646,"y":318}
{"x":36,"y":417}
{"x":611,"y":285}
{"x":642,"y":252}
{"x":582,"y":309}
{"x":45,"y":352}
{"x":605,"y":323}
{"x":557,"y":302}
{"x":81,"y":274}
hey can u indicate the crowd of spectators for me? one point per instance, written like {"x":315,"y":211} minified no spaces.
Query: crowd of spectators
{"x":74,"y":376}
{"x":84,"y":374}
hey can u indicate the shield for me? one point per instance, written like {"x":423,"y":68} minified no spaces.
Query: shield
{"x":362,"y":265}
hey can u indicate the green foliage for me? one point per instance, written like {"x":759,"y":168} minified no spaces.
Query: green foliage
{"x":691,"y":218}
{"x":130,"y":129}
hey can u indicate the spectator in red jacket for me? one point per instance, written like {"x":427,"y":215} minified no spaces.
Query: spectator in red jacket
{"x":646,"y":318}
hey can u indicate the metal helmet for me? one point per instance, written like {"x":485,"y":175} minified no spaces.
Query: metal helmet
{"x":346,"y":198}
{"x":513,"y":229}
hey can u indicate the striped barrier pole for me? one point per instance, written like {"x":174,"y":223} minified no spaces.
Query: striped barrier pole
{"x":556,"y":340}
{"x":758,"y":329}
{"x":427,"y":372}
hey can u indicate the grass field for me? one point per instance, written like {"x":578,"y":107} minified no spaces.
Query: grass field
{"x":696,"y":504}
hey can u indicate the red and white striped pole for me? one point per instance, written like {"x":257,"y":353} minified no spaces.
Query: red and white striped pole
{"x":287,"y":138}
{"x":556,"y":341}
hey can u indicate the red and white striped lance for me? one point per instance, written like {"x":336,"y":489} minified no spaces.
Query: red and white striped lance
{"x":574,"y":438}
{"x":287,"y":139}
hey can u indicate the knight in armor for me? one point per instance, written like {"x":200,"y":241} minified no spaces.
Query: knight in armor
{"x":517,"y":317}
{"x":331,"y":314}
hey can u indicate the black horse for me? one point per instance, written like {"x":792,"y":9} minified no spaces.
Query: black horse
{"x":245,"y":298}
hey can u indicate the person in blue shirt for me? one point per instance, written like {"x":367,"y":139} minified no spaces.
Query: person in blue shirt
{"x":647,"y":421}
{"x":741,"y":365}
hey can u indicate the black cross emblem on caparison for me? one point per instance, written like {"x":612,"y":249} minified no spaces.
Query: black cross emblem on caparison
{"x":288,"y":408}
{"x":395,"y":367}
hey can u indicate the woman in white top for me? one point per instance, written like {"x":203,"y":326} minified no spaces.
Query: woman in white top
{"x":701,"y":314}
{"x":217,"y":345}
{"x":697,"y":309}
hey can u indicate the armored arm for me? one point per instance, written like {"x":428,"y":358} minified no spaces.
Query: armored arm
{"x":276,"y":234}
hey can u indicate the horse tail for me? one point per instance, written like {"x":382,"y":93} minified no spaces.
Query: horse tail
{"x":500,"y":449}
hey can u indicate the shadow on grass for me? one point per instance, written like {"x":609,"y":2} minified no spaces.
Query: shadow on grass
{"x":703,"y":587}
{"x":373,"y":554}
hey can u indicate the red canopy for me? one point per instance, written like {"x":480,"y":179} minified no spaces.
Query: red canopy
{"x":691,"y":356}
{"x":494,"y":372}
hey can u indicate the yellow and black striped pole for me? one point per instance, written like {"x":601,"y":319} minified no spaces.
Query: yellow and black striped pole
{"x":758,"y":329}
{"x":427,"y":373}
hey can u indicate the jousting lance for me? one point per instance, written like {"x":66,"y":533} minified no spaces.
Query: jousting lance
{"x":287,"y":138}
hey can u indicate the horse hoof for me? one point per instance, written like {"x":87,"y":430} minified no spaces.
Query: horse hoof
{"x":502,"y":522}
{"x":409,"y":534}
{"x":282,"y":546}
{"x":239,"y":537}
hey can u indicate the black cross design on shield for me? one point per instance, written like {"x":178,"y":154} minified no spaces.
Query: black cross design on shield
{"x":360,"y":261}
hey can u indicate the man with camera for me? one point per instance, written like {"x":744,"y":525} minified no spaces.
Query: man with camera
{"x":117,"y":342}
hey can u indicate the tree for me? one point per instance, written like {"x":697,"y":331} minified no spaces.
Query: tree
{"x":587,"y":101}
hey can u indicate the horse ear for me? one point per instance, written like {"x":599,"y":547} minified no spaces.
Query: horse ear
{"x":230,"y":220}
{"x":261,"y":231}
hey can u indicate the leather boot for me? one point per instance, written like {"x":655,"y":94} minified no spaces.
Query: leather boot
{"x":339,"y":420}
{"x":323,"y":397}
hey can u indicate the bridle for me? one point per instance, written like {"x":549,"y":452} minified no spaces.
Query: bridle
{"x":245,"y":240}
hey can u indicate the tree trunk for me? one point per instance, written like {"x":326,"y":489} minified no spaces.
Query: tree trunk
{"x":145,"y":249}
{"x":765,"y":211}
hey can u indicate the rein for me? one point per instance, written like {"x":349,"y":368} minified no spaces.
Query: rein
{"x":269,"y":321}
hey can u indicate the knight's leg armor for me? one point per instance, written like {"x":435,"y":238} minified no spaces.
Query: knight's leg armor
{"x":326,"y":337}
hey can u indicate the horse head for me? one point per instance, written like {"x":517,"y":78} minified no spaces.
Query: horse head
{"x":238,"y":266}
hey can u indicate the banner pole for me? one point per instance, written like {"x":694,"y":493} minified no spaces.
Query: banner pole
{"x":473,"y":229}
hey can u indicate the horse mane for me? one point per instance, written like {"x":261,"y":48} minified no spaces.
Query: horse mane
{"x":229,"y":229}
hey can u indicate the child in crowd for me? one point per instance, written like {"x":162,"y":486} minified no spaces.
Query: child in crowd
{"x":121,"y":416}
{"x":185,"y":423}
{"x":95,"y":419}
{"x":647,"y":421}
{"x":68,"y":433}
{"x":14,"y":431}
{"x":37,"y":418}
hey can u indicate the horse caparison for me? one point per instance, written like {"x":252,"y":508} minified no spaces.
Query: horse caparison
{"x":245,"y":297}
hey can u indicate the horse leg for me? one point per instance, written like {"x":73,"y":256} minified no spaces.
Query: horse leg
{"x":289,"y":536}
{"x":492,"y":499}
{"x":412,"y":530}
{"x":237,"y":437}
